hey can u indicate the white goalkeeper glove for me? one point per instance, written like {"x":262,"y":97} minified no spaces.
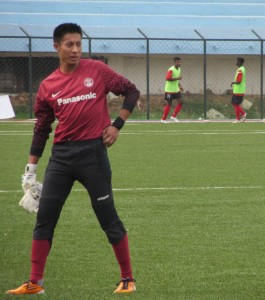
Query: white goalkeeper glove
{"x":29,"y":178}
{"x":30,"y":201}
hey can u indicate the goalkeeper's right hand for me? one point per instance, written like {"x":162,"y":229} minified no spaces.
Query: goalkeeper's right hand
{"x":29,"y":178}
{"x":30,"y":201}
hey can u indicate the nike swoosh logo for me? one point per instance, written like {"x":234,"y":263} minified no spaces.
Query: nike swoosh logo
{"x":54,"y":95}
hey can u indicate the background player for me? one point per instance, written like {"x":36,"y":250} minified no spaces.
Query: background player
{"x":173,"y":90}
{"x":75,"y":95}
{"x":239,"y":89}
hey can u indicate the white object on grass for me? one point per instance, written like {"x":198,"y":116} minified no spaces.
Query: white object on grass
{"x":6,"y":109}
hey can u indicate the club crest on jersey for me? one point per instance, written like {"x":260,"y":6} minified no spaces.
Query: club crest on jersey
{"x":88,"y":82}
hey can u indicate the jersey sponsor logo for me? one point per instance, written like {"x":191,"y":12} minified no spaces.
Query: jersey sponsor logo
{"x":89,"y":96}
{"x":88,"y":82}
{"x":103,"y":198}
{"x":56,"y":94}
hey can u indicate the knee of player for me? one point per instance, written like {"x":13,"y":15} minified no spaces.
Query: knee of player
{"x":115,"y":232}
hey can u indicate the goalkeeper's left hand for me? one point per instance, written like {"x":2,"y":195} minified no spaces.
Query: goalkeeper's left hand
{"x":30,"y":201}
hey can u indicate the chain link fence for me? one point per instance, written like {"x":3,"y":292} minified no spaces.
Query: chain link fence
{"x":208,"y":68}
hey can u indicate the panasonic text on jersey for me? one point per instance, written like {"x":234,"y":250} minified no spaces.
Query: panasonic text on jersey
{"x":89,"y":96}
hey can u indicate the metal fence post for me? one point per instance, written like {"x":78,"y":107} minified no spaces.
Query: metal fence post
{"x":89,"y":43}
{"x":204,"y":80}
{"x":261,"y":79}
{"x":30,"y":73}
{"x":147,"y":79}
{"x":261,"y":74}
{"x":204,"y":74}
{"x":147,"y":74}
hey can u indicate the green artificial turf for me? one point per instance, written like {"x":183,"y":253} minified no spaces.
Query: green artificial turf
{"x":191,"y":196}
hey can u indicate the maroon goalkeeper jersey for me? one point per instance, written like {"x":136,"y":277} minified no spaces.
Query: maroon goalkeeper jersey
{"x":78,"y":101}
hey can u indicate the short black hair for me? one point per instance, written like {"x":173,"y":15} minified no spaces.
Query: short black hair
{"x":100,"y":58}
{"x":241,"y":60}
{"x":176,"y":58}
{"x":94,"y":57}
{"x":103,"y":59}
{"x":63,"y":29}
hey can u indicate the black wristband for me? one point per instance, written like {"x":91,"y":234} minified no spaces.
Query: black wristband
{"x":118,"y":123}
{"x":36,"y":151}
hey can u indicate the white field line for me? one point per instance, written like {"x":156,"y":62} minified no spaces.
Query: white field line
{"x":28,"y":122}
{"x":195,"y":132}
{"x":169,"y":130}
{"x":154,"y":132}
{"x":162,"y":189}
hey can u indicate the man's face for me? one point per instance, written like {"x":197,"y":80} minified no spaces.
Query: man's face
{"x":69,"y":49}
{"x":177,"y":63}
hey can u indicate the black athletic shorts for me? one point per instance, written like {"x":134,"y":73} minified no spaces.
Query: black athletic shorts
{"x":237,"y":99}
{"x":170,"y":97}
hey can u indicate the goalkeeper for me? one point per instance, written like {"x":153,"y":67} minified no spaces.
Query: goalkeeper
{"x":75,"y":94}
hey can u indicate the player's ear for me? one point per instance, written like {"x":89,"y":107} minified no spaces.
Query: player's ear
{"x":56,"y":46}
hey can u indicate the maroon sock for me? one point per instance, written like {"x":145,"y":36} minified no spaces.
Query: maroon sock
{"x":122,"y":253}
{"x":237,"y":111}
{"x":177,"y":110}
{"x":40,"y":251}
{"x":166,"y":111}
{"x":242,"y":112}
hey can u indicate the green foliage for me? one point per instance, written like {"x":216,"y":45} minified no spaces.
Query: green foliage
{"x":191,"y":196}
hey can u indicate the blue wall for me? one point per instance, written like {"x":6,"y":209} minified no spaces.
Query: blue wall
{"x":133,"y":13}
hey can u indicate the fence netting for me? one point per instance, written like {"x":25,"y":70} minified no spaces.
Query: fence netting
{"x":208,"y":68}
